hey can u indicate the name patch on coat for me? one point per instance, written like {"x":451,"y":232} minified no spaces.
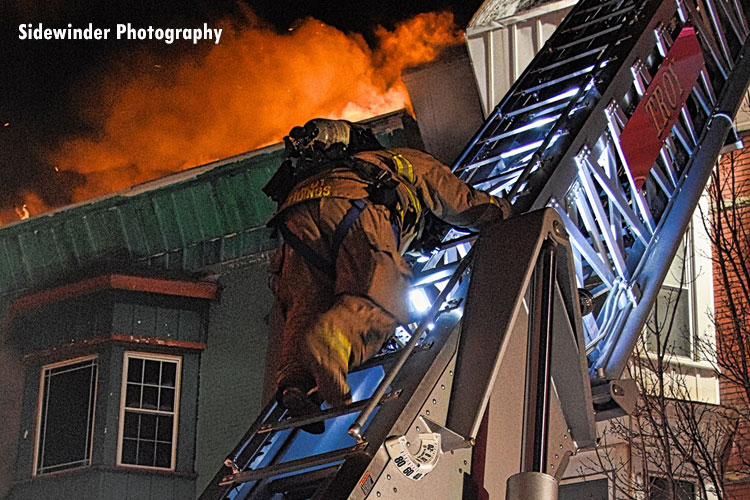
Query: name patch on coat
{"x":316,"y":189}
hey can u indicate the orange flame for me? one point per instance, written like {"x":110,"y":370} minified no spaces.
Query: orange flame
{"x":32,"y":205}
{"x":23,"y":211}
{"x":247,"y":92}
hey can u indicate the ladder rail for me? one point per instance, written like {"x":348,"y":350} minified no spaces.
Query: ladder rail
{"x":621,"y":257}
{"x":554,"y":141}
{"x":355,"y":430}
{"x":617,"y":348}
{"x":293,"y":465}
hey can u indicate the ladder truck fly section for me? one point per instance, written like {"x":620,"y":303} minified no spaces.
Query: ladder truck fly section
{"x":604,"y":146}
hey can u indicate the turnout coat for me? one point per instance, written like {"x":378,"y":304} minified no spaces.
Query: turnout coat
{"x":339,"y":280}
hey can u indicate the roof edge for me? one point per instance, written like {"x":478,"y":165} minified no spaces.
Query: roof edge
{"x":484,"y":20}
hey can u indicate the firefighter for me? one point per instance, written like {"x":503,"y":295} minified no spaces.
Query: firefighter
{"x":348,"y":209}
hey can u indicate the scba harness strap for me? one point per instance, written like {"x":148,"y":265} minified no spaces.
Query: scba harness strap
{"x":382,"y":191}
{"x":315,"y":259}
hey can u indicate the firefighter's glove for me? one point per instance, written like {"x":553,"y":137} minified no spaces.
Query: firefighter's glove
{"x":498,"y":209}
{"x":505,"y":207}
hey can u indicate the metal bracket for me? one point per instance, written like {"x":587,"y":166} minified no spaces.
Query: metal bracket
{"x":449,"y":440}
{"x":615,"y":399}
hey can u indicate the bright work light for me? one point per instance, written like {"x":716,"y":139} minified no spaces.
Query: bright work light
{"x":419,"y":300}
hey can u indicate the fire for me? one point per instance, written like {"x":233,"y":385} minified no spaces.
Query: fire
{"x":23,"y":211}
{"x":31,"y":205}
{"x":246,"y":92}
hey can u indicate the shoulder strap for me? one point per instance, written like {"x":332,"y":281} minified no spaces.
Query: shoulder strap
{"x":307,"y":253}
{"x":358,"y":206}
{"x":310,"y":255}
{"x":403,"y":166}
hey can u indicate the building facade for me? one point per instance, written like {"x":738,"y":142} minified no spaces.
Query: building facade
{"x":730,"y":217}
{"x":135,"y":332}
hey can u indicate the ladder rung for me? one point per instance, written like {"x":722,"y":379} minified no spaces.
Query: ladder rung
{"x":302,"y":480}
{"x":323,"y":414}
{"x":583,"y":71}
{"x":437,"y":273}
{"x":562,"y":103}
{"x":600,"y":6}
{"x":536,"y":124}
{"x":292,"y":465}
{"x":482,"y":162}
{"x":586,"y":38}
{"x":272,"y":411}
{"x":501,"y":178}
{"x":313,"y":417}
{"x":381,"y":359}
{"x":600,"y":19}
{"x":590,"y":52}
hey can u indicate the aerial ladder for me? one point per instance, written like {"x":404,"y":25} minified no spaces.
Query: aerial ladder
{"x":604,"y":145}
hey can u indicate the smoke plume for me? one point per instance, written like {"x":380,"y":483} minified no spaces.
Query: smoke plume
{"x":244,"y":93}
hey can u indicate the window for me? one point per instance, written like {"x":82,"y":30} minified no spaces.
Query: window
{"x":67,"y":397}
{"x":597,"y":489}
{"x":659,"y":489}
{"x":149,"y":410}
{"x":674,"y":306}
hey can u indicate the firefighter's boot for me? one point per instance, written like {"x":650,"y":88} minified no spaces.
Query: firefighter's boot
{"x":300,"y":400}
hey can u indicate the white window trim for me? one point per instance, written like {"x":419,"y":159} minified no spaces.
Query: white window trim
{"x":595,"y":476}
{"x":699,"y":276}
{"x":703,"y":277}
{"x":701,"y":305}
{"x":175,"y":424}
{"x":692,"y":480}
{"x":40,"y":401}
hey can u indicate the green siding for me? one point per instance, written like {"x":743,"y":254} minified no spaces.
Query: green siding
{"x":122,"y":317}
{"x":188,"y":414}
{"x":144,"y":321}
{"x":103,"y":313}
{"x":102,"y":484}
{"x":11,"y":405}
{"x":232,"y":366}
{"x":25,"y":454}
{"x":105,"y":430}
{"x":187,"y":221}
{"x":159,"y":321}
{"x":61,"y":323}
{"x":167,"y":323}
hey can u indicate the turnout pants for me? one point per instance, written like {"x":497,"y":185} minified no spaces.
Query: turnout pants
{"x":327,"y":325}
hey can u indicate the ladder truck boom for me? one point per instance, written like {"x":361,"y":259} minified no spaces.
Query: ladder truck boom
{"x":555,"y":140}
{"x":604,"y":146}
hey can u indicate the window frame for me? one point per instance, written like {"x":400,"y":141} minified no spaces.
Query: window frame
{"x":697,"y":495}
{"x":688,"y":294}
{"x":127,"y":355}
{"x":598,"y":476}
{"x":40,"y":402}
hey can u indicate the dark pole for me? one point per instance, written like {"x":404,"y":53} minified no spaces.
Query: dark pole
{"x":539,"y":352}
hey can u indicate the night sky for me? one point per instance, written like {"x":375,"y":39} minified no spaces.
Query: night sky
{"x":45,"y":84}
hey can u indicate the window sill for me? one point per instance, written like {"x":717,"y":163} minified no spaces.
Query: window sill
{"x":684,"y":361}
{"x":95,"y":469}
{"x":146,"y":470}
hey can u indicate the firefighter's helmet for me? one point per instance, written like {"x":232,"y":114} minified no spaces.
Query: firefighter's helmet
{"x":321,"y":138}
